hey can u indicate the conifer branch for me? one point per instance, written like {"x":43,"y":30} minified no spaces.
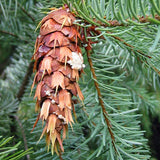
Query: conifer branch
{"x":29,"y":15}
{"x":121,"y":40}
{"x":23,"y":135}
{"x":20,"y":94}
{"x":124,"y":134}
{"x":105,"y":114}
{"x":25,"y":81}
{"x":12,"y":34}
{"x":9,"y":33}
{"x":60,"y":155}
{"x":128,"y":45}
{"x":156,"y":70}
{"x":142,"y":19}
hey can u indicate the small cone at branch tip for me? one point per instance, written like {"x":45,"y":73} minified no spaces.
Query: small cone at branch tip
{"x":59,"y":64}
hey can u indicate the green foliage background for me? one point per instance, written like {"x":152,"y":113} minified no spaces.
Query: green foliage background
{"x":128,"y":80}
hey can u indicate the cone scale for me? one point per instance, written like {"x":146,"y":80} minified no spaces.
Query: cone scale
{"x":58,"y":65}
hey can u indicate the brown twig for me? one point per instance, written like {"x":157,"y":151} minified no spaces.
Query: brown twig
{"x":156,"y":70}
{"x":142,"y":19}
{"x":23,"y":9}
{"x":130,"y":46}
{"x":13,"y":127}
{"x":11,"y":34}
{"x":105,"y":114}
{"x":114,"y":23}
{"x":92,"y":28}
{"x":23,"y":135}
{"x":60,"y":155}
{"x":25,"y":81}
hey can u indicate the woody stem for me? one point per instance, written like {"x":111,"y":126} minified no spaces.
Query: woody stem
{"x":105,"y":114}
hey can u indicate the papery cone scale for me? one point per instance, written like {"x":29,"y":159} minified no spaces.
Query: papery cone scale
{"x":56,"y":55}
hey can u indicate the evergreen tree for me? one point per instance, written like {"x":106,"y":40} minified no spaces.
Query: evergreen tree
{"x":120,"y":46}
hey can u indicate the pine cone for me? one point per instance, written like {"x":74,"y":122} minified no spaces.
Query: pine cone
{"x":59,"y":63}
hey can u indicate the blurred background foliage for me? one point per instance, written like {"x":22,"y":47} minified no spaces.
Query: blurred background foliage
{"x":129,"y":80}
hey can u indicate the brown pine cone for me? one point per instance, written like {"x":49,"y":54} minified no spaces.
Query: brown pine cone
{"x":59,"y":63}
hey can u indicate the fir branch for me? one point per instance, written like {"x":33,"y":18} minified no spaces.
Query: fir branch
{"x":93,"y":28}
{"x":60,"y":155}
{"x":24,"y":10}
{"x":23,"y":135}
{"x":105,"y":114}
{"x":130,"y":46}
{"x":20,"y":94}
{"x":156,"y":70}
{"x":93,"y":15}
{"x":11,"y":34}
{"x":25,"y":81}
{"x":142,"y":19}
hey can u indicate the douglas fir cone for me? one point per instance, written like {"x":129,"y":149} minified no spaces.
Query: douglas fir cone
{"x":59,"y":63}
